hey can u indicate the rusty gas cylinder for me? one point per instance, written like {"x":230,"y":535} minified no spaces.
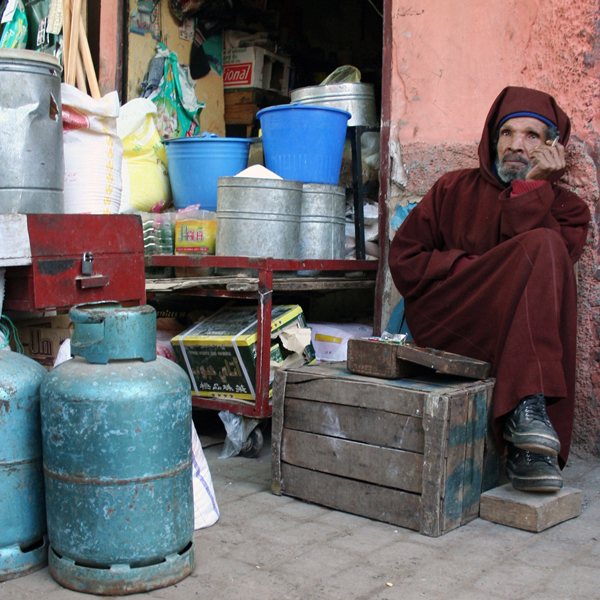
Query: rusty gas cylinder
{"x":116,"y":425}
{"x":23,"y":544}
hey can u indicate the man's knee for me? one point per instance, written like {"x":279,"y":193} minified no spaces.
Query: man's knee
{"x":545,"y":240}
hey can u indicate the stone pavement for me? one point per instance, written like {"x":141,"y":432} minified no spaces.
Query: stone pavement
{"x":267,"y":547}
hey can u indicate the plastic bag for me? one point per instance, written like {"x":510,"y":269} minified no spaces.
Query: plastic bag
{"x":15,"y":30}
{"x":38,"y":23}
{"x":195,"y":231}
{"x":146,"y":184}
{"x":175,"y":99}
{"x":159,"y":232}
{"x":206,"y":510}
{"x":93,"y":152}
{"x":238,"y":429}
{"x":345,"y":74}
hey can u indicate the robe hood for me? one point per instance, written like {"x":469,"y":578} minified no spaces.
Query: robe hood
{"x":512,"y":100}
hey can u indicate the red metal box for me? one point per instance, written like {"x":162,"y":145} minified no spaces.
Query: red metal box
{"x":76,"y":259}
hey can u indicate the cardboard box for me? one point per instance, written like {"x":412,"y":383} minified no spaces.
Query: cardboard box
{"x":219,"y":353}
{"x":331,"y":339}
{"x":41,"y":338}
{"x":255,"y":67}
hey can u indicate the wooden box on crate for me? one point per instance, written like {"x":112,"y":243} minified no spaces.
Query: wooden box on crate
{"x":413,"y":452}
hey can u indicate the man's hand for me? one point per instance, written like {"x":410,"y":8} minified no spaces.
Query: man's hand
{"x":547,"y":159}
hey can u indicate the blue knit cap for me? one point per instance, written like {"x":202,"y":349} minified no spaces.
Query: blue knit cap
{"x":527,"y":114}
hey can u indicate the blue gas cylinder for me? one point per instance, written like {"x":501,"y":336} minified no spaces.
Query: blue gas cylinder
{"x":116,"y":428}
{"x":23,"y":543}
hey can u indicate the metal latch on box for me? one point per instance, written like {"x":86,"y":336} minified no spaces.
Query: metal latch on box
{"x":87,"y":279}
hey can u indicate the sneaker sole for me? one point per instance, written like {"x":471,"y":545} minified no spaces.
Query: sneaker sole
{"x":533,"y":484}
{"x":538,"y":443}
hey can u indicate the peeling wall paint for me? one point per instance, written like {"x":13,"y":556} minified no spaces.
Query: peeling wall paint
{"x":450,"y":60}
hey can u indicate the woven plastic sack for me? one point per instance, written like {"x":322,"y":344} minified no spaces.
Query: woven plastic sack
{"x":93,"y":152}
{"x":146,"y":184}
{"x":177,"y":106}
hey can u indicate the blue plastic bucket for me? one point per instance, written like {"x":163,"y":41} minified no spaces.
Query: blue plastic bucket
{"x":304,"y":143}
{"x":196,"y":163}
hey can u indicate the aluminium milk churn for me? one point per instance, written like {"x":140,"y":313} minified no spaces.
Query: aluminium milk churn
{"x":23,"y":543}
{"x":116,"y":429}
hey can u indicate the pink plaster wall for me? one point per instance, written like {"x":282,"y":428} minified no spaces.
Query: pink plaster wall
{"x":450,"y":60}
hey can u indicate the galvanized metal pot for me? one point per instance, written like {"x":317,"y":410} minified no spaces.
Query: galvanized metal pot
{"x":116,"y":426}
{"x":23,"y":543}
{"x":323,"y":221}
{"x":357,"y":98}
{"x":32,"y":168}
{"x":258,"y":217}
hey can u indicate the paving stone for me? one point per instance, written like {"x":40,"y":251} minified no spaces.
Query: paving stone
{"x":308,"y":552}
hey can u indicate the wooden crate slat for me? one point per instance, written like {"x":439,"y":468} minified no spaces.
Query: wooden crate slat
{"x":491,"y":453}
{"x":435,"y":426}
{"x":455,"y":463}
{"x":356,"y":497}
{"x":279,"y":385}
{"x":373,"y":394}
{"x":476,"y":432}
{"x":365,"y":425}
{"x":240,"y":114}
{"x":383,"y":466}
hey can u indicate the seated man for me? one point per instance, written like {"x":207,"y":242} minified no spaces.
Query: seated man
{"x":485,"y":265}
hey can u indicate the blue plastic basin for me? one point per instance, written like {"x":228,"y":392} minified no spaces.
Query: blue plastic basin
{"x":196,"y":163}
{"x":304,"y":143}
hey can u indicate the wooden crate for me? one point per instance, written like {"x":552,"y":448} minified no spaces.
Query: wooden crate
{"x":413,"y":452}
{"x":241,"y":106}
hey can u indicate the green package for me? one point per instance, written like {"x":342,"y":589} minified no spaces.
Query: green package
{"x":15,"y":31}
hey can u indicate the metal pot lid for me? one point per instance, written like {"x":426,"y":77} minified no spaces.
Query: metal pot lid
{"x":19,"y":55}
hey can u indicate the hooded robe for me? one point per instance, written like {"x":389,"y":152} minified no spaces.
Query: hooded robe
{"x":514,"y":304}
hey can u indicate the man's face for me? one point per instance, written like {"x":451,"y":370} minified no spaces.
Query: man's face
{"x":517,"y":138}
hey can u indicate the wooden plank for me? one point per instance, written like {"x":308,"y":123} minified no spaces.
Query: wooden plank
{"x":444,"y":362}
{"x":369,"y":394}
{"x":300,"y":284}
{"x":233,"y":97}
{"x":452,"y":490}
{"x":474,"y":449}
{"x":15,"y":249}
{"x":110,"y":71}
{"x":240,"y":114}
{"x":383,"y":466}
{"x":354,"y":423}
{"x":395,"y":361}
{"x":532,"y":512}
{"x":277,"y":429}
{"x":491,"y":455}
{"x":233,"y":283}
{"x":378,"y":359}
{"x":356,"y":497}
{"x":435,"y":426}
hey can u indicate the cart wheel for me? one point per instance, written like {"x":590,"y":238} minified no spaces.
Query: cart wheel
{"x":254,"y":444}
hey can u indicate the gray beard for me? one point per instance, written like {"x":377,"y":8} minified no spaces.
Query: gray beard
{"x":508,"y":176}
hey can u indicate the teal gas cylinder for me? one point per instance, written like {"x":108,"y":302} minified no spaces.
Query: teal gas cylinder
{"x":116,"y":429}
{"x":23,"y":544}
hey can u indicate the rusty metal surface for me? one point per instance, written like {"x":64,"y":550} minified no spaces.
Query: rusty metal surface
{"x":122,"y":579}
{"x":117,"y":454}
{"x":22,"y":509}
{"x":58,"y":243}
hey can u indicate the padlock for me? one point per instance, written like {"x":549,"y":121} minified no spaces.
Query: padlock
{"x":87,"y":266}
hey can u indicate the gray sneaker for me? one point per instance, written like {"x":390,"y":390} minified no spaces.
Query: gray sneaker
{"x":528,"y":427}
{"x":532,"y":472}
